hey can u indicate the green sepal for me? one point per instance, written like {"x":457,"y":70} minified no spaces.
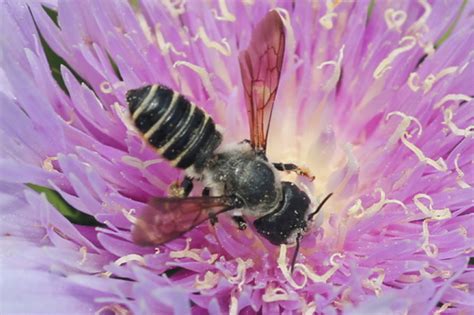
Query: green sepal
{"x":72,"y":214}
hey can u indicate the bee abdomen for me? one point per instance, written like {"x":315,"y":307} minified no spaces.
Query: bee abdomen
{"x":182,"y":132}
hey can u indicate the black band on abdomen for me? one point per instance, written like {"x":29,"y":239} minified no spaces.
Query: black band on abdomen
{"x":182,"y":132}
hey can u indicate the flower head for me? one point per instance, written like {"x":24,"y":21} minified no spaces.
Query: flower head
{"x":374,"y":98}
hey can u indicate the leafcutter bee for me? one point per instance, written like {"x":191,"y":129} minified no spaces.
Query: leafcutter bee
{"x":237,"y":177}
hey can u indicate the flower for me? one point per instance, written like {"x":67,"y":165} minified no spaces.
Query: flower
{"x":375,"y":98}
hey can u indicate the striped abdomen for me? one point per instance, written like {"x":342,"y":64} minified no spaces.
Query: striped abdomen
{"x":182,"y":132}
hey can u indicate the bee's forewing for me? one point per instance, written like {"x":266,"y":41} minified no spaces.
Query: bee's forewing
{"x":165,"y":219}
{"x":260,"y":68}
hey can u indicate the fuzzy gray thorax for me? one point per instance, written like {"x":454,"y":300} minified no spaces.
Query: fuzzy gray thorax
{"x":239,"y":171}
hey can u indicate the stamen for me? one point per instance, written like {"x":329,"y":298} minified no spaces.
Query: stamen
{"x":239,"y":278}
{"x":60,"y":233}
{"x":411,"y":81}
{"x":452,"y":97}
{"x":136,"y":162}
{"x":309,"y":309}
{"x":439,"y":164}
{"x":226,"y":15}
{"x":275,"y":294}
{"x":395,"y":19}
{"x":282,"y":265}
{"x":431,"y":213}
{"x":468,"y":62}
{"x":142,"y":165}
{"x":358,"y":210}
{"x":443,"y":308}
{"x":410,"y":278}
{"x":428,"y":83}
{"x":459,"y":179}
{"x":72,"y":117}
{"x":129,"y":215}
{"x":203,"y":74}
{"x":128,"y":258}
{"x":402,"y":180}
{"x":176,"y":8}
{"x":106,"y":88}
{"x":192,"y":254}
{"x":223,"y":48}
{"x":83,"y":251}
{"x":375,"y":283}
{"x":122,"y":114}
{"x":448,"y":121}
{"x":325,"y":276}
{"x":428,"y":46}
{"x":108,"y":223}
{"x":431,"y":250}
{"x":210,"y":281}
{"x":144,"y":26}
{"x":290,"y":33}
{"x":432,"y":79}
{"x":426,"y":274}
{"x":326,"y":20}
{"x":165,"y":46}
{"x":332,"y":82}
{"x":115,"y":309}
{"x":402,"y":127}
{"x":234,"y":305}
{"x":445,"y":274}
{"x":332,"y":259}
{"x":48,"y":163}
{"x":407,"y":43}
{"x":462,"y":287}
{"x":421,"y":22}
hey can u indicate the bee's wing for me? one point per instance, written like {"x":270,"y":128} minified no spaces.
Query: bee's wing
{"x":165,"y":219}
{"x":260,"y":68}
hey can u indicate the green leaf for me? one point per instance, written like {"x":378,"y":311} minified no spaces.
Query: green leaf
{"x":53,"y":14}
{"x":72,"y":214}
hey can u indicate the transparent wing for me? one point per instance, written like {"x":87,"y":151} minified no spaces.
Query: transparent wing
{"x":165,"y":219}
{"x":260,"y":68}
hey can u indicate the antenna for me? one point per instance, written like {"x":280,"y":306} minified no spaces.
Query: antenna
{"x":310,"y":217}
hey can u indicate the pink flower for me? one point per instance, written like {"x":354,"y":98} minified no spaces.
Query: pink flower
{"x":375,"y":99}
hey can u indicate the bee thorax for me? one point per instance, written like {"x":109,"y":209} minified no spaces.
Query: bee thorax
{"x":249,"y":177}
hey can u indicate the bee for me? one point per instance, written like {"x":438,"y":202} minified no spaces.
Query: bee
{"x":238,"y":177}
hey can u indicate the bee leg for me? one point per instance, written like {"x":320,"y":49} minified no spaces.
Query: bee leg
{"x":213,"y":218}
{"x":240,"y":221}
{"x":302,"y":171}
{"x":311,"y":215}
{"x":182,"y":189}
{"x":187,"y":185}
{"x":295,"y":254}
